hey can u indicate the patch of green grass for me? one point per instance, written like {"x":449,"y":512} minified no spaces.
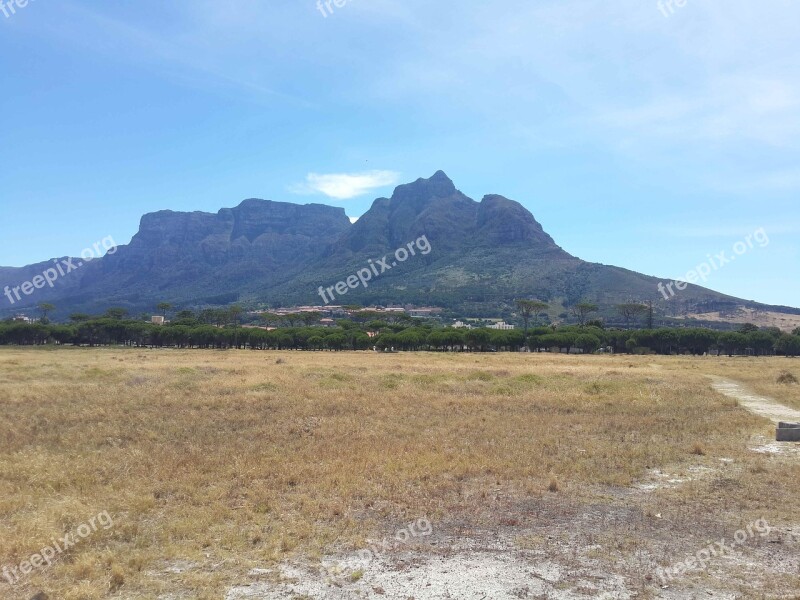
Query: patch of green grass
{"x":430,"y":378}
{"x":529,"y":378}
{"x":392,"y":381}
{"x":97,"y":373}
{"x":480,"y":376}
{"x":267,"y":386}
{"x":503,"y":390}
{"x":597,"y":388}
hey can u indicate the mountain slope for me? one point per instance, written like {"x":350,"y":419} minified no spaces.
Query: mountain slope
{"x":482,"y":255}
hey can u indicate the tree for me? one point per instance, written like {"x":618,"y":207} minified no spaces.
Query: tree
{"x":117,"y":313}
{"x":748,"y":328}
{"x":587,"y":342}
{"x":477,"y":339}
{"x":788,"y":345}
{"x":699,"y":341}
{"x":292,"y":318}
{"x":582,"y":310}
{"x":235,"y":312}
{"x":185,"y":317}
{"x":164,"y":307}
{"x":309,"y":318}
{"x":45,"y":308}
{"x":630,"y":311}
{"x":316,"y":342}
{"x":270,"y":319}
{"x":386,"y":340}
{"x":528,"y":308}
{"x":732,"y":342}
{"x":762,"y":342}
{"x":377,"y":325}
{"x":411,"y":339}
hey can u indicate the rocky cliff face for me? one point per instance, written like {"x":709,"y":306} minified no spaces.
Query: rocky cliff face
{"x":450,"y":220}
{"x":256,"y":230}
{"x":503,"y":221}
{"x":209,"y":257}
{"x":483,"y":255}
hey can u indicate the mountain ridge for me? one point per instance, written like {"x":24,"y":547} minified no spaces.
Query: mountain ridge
{"x":262,"y":252}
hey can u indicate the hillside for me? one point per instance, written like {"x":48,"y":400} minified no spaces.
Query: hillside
{"x":482,"y":256}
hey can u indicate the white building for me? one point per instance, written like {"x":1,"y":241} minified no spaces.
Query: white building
{"x":501,"y":325}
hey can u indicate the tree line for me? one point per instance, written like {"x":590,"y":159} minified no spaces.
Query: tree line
{"x":373,"y":330}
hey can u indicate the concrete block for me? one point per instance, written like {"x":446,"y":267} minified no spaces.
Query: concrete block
{"x":787,"y":434}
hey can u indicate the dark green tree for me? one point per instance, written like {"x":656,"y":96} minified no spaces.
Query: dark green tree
{"x":117,"y":313}
{"x":629,"y":311}
{"x":582,"y":310}
{"x":45,"y":308}
{"x":163,"y":307}
{"x":528,"y":309}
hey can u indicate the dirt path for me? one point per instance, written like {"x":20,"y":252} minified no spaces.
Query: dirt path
{"x":760,"y":405}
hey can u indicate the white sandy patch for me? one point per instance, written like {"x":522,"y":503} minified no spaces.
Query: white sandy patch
{"x":465,"y":575}
{"x":659,"y":480}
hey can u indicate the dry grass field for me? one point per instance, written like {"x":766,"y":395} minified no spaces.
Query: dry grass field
{"x":220,"y":467}
{"x":762,"y":377}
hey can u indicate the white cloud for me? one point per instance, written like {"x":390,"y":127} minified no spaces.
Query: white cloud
{"x":354,"y":219}
{"x":344,"y":186}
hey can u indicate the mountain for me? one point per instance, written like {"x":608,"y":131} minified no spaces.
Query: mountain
{"x":481,"y":256}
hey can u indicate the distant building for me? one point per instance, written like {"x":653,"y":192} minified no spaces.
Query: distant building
{"x":423,"y":311}
{"x":461,"y":325}
{"x":294,"y":310}
{"x":157,"y":320}
{"x":501,"y":325}
{"x":392,"y":309}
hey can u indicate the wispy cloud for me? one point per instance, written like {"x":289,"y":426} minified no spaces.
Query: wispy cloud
{"x":183,"y":55}
{"x":344,"y":186}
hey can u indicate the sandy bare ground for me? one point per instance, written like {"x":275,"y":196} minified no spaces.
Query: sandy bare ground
{"x":760,"y":405}
{"x":558,"y":551}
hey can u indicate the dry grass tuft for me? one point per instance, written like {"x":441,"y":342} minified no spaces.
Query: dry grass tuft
{"x":698,"y":449}
{"x":786,"y":378}
{"x":117,"y":578}
{"x":553,"y":486}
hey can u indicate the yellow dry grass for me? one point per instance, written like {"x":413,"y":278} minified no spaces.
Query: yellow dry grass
{"x":212,"y":463}
{"x":757,"y":373}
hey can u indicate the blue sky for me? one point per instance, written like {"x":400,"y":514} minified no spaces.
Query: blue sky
{"x":637,"y":139}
